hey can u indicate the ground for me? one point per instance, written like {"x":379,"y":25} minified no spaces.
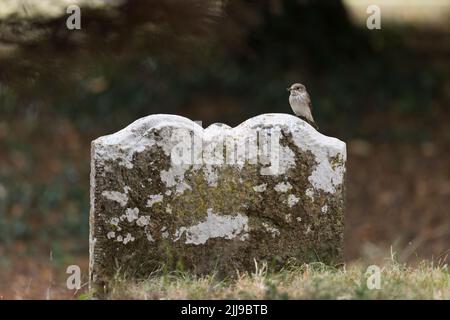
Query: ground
{"x":313,"y":281}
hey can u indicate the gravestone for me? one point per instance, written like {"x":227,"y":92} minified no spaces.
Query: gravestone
{"x":167,"y":193}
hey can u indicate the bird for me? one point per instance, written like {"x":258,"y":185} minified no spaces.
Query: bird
{"x":301,"y":103}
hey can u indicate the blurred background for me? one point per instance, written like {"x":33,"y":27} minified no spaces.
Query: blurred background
{"x":385,"y":92}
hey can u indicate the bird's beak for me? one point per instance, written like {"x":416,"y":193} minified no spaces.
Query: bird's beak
{"x":288,"y":89}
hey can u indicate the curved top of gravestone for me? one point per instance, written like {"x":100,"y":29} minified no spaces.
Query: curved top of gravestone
{"x":136,"y":138}
{"x":133,"y":132}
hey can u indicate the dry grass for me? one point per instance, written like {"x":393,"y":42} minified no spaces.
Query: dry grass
{"x":313,"y":281}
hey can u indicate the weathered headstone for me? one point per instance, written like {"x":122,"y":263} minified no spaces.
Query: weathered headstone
{"x":166,"y":192}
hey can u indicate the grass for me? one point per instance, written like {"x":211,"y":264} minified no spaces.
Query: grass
{"x":312,"y":281}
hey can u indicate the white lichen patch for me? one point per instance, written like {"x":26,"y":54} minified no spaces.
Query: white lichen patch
{"x":114,"y":221}
{"x":150,"y":238}
{"x":283,"y":187}
{"x":131,"y":214}
{"x":119,"y":197}
{"x":169,"y":209}
{"x":215,"y":226}
{"x":128,"y":238}
{"x":288,"y":217}
{"x":143,"y":221}
{"x":299,"y":219}
{"x":327,"y":177}
{"x":174,"y":177}
{"x":274,"y":231}
{"x":260,"y":188}
{"x":292,"y":200}
{"x":324,"y":209}
{"x":211,"y":175}
{"x":154,"y":198}
{"x":310,"y":193}
{"x":308,"y":229}
{"x":111,"y":235}
{"x":165,"y":234}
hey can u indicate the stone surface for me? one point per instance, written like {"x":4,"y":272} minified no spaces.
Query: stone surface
{"x":166,"y":192}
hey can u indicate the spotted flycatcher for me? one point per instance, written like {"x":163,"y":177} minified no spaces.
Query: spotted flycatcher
{"x":301,"y":103}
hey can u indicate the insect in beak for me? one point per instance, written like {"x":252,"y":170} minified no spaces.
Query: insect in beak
{"x":288,"y":89}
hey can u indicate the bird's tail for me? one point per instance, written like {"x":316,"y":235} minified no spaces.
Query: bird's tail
{"x":311,"y":122}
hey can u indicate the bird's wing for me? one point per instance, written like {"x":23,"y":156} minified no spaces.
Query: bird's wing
{"x":310,"y":103}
